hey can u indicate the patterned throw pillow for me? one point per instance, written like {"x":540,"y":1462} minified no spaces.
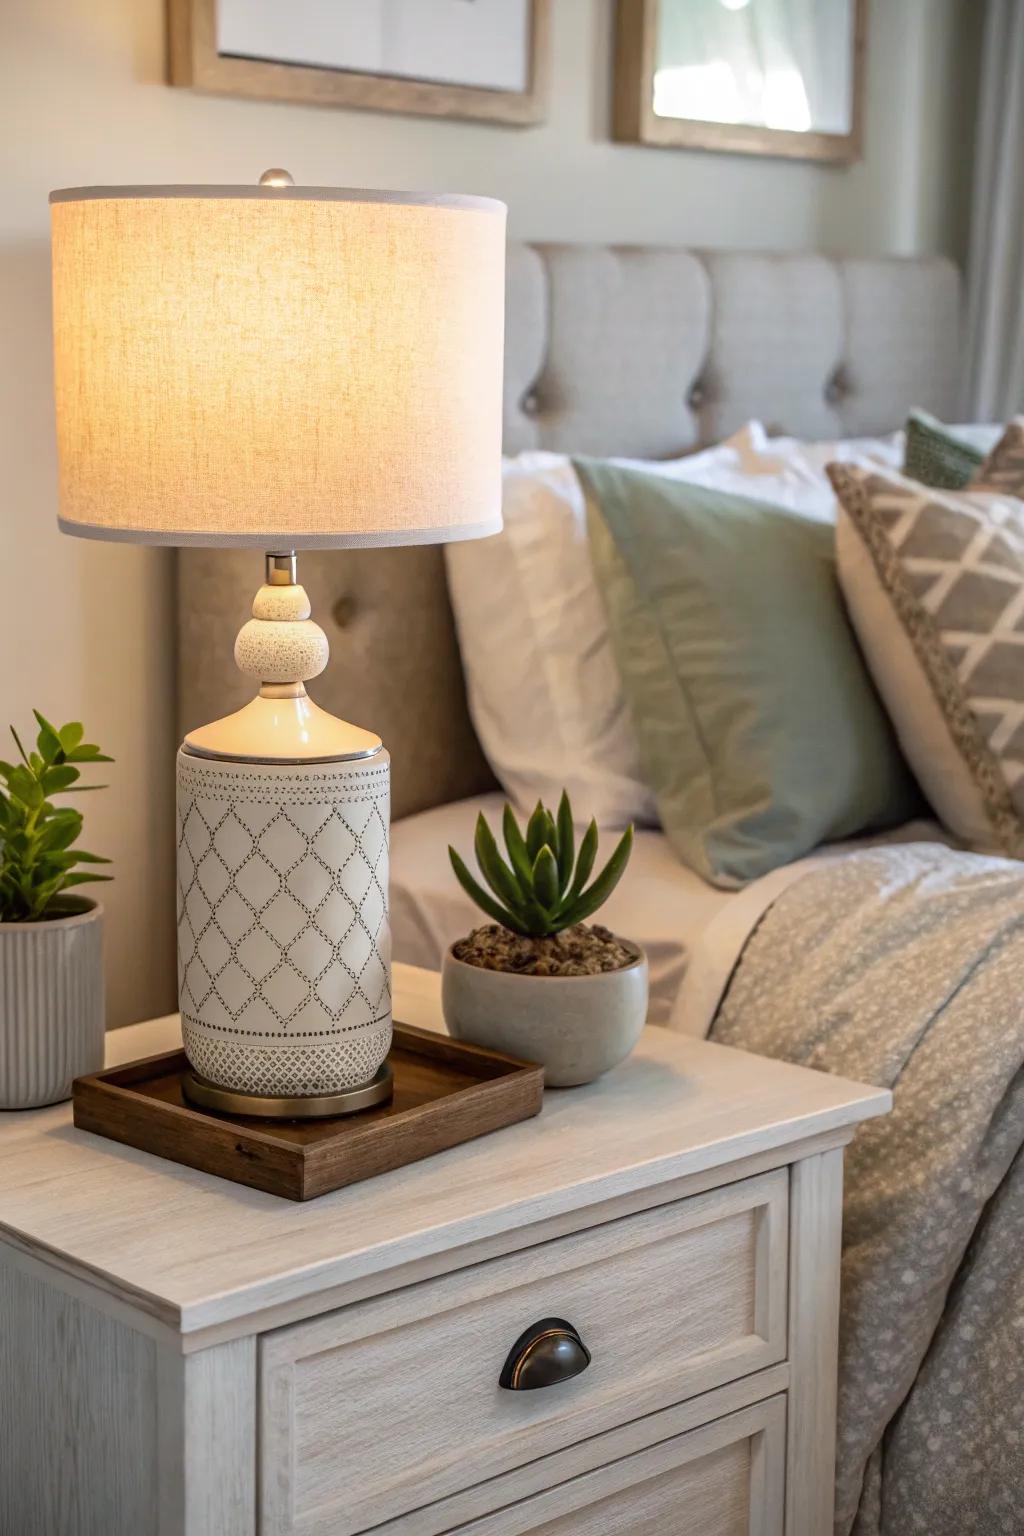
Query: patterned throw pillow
{"x":947,"y":458}
{"x":1003,"y":470}
{"x":934,"y":582}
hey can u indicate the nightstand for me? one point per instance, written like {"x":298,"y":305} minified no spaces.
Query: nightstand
{"x":183,"y":1356}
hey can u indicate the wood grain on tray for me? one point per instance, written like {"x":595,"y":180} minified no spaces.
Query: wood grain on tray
{"x":445,"y":1092}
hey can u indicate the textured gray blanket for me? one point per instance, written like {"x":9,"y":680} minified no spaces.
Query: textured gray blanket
{"x":904,"y":966}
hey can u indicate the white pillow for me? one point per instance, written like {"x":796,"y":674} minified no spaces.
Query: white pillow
{"x":543,"y":687}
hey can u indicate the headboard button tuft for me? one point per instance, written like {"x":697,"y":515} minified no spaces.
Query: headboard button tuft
{"x":836,"y":387}
{"x":530,"y":403}
{"x":343,"y":610}
{"x":695,"y":397}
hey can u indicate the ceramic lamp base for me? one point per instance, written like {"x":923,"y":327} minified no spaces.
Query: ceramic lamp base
{"x":284,"y":954}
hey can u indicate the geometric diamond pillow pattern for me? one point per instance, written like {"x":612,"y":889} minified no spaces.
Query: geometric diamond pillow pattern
{"x":1003,"y":470}
{"x":934,"y":582}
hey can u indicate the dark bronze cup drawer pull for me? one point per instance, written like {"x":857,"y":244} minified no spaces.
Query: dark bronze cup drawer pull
{"x":549,"y":1352}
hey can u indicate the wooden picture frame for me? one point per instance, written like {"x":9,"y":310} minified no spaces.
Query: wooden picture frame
{"x":635,"y":121}
{"x":194,"y":62}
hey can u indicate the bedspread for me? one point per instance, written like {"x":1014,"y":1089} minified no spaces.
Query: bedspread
{"x":904,"y":966}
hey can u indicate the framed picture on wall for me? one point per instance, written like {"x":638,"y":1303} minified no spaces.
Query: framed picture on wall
{"x":485,"y":59}
{"x":756,"y":77}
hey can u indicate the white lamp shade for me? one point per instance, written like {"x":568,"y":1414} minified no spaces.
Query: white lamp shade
{"x":285,"y":367}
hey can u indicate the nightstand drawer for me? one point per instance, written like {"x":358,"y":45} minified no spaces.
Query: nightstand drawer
{"x":725,"y":1479}
{"x":394,"y":1403}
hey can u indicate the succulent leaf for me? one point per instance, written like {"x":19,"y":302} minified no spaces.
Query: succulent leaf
{"x":543,"y":889}
{"x":515,"y":842}
{"x":545,"y":878}
{"x":60,"y":777}
{"x":71,"y":734}
{"x":87,"y":752}
{"x":597,"y":894}
{"x":536,"y":831}
{"x":60,"y":831}
{"x":494,"y":869}
{"x":476,"y":893}
{"x":21,"y":749}
{"x":584,"y":864}
{"x":566,"y":843}
{"x":25,"y":787}
{"x":37,"y":857}
{"x":48,"y":741}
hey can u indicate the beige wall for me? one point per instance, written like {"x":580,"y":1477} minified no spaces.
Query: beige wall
{"x":85,"y":628}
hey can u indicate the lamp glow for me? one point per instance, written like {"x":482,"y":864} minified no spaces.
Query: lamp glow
{"x":287,"y":368}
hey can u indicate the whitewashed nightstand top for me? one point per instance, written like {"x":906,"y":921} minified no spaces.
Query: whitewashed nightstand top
{"x":203,"y":1257}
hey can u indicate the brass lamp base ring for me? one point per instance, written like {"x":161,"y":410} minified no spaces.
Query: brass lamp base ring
{"x":270,"y":1106}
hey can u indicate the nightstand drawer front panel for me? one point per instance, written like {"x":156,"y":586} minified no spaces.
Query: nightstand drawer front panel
{"x":726,"y":1479}
{"x":394,"y":1403}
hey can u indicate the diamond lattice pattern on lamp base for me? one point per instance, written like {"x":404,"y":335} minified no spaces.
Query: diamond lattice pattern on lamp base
{"x":284,"y":953}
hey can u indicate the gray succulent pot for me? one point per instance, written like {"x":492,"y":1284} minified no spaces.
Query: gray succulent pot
{"x":576,"y":1027}
{"x":51,"y":1006}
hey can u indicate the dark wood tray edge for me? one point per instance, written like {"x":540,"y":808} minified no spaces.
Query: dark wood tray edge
{"x":155,"y":1127}
{"x":486,"y":1106}
{"x":512,"y":1091}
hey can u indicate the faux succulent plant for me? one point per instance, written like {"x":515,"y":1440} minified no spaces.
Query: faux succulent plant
{"x":37,"y":860}
{"x":542,"y":888}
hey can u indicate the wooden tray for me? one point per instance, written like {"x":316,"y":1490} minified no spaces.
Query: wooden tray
{"x":446,"y":1092}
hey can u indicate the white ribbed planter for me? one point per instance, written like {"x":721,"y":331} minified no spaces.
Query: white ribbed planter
{"x":51,"y":1006}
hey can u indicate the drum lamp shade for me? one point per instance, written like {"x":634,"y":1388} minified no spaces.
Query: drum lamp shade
{"x":283,"y":367}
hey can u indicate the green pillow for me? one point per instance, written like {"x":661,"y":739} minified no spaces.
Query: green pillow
{"x":759,"y":728}
{"x":946,"y":458}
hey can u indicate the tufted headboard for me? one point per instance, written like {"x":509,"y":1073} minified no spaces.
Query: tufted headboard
{"x":637,"y":351}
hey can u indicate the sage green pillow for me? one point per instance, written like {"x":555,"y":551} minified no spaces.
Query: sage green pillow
{"x":946,"y":458}
{"x":759,"y":728}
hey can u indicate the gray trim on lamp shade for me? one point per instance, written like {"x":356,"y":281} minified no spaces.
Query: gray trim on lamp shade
{"x":385,"y":540}
{"x":295,"y":194}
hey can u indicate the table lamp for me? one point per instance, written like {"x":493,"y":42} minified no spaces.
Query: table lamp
{"x":288,"y":368}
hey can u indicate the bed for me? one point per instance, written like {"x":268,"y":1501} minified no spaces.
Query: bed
{"x":609,"y":350}
{"x":842,"y":961}
{"x":632,"y":351}
{"x":613,"y":350}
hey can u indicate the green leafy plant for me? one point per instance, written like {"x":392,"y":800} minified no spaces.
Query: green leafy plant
{"x":542,"y":889}
{"x":37,"y":860}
